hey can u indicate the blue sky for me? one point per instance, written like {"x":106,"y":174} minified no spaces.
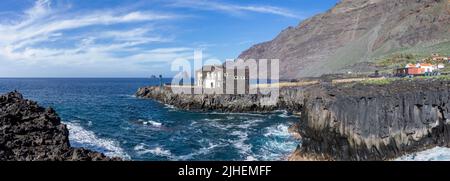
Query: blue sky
{"x":124,"y":38}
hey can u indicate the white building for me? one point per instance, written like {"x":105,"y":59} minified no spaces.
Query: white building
{"x":215,"y":77}
{"x":210,"y":77}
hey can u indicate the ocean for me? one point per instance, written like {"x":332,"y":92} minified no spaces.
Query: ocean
{"x":103,"y":115}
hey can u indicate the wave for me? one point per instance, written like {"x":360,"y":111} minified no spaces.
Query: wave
{"x":240,"y":114}
{"x":158,"y":150}
{"x":280,"y":130}
{"x":168,"y":106}
{"x":250,"y":123}
{"x":150,"y":122}
{"x":227,"y":124}
{"x":242,"y":147}
{"x":80,"y":137}
{"x":279,"y":143}
{"x":285,"y":114}
{"x":202,"y":151}
{"x":127,"y":95}
{"x":206,"y":119}
{"x":434,"y":154}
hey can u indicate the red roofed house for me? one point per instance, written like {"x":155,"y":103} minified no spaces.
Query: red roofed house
{"x":417,"y":69}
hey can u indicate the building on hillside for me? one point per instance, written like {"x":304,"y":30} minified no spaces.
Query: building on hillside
{"x":411,"y":71}
{"x":418,"y":69}
{"x":427,"y":67}
{"x":435,"y":57}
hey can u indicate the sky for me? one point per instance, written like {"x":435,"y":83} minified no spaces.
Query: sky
{"x":129,"y":38}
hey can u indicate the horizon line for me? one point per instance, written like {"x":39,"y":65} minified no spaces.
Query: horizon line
{"x":79,"y":77}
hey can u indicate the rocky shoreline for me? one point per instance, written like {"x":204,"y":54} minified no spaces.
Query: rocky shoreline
{"x":29,"y":132}
{"x":346,"y":121}
{"x":290,"y":99}
{"x":375,"y":122}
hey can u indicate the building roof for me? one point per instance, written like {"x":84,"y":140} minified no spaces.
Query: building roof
{"x":426,"y":65}
{"x":210,"y":68}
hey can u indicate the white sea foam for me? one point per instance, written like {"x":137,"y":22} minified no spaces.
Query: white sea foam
{"x":151,"y":123}
{"x":239,"y":143}
{"x":80,"y":136}
{"x":278,"y":145}
{"x":159,"y":150}
{"x":202,"y":151}
{"x":206,"y":119}
{"x":227,"y":124}
{"x":241,"y":114}
{"x":127,"y":95}
{"x":284,"y":115}
{"x":434,"y":154}
{"x":250,"y":158}
{"x":280,"y":130}
{"x":250,"y":123}
{"x":143,"y":149}
{"x":169,"y":106}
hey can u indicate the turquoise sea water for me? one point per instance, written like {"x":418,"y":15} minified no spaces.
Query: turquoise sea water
{"x":103,"y":115}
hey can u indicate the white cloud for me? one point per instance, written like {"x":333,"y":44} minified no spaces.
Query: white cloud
{"x":45,"y":27}
{"x":40,"y":40}
{"x":234,"y":9}
{"x":137,"y":34}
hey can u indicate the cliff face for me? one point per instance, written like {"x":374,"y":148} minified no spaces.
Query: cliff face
{"x":346,"y":121}
{"x":289,"y":99}
{"x":29,"y":132}
{"x":357,"y":31}
{"x":370,"y":122}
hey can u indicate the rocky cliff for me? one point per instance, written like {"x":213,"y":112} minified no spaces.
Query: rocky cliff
{"x":289,"y":99}
{"x":374,"y":122}
{"x":29,"y":132}
{"x":347,"y":121}
{"x":357,"y":31}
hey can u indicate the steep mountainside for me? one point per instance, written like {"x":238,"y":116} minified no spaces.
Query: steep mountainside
{"x":357,"y":31}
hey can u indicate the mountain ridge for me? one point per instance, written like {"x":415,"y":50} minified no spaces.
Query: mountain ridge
{"x":356,"y":31}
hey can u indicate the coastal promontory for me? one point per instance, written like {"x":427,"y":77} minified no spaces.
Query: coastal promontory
{"x":379,"y":119}
{"x":29,"y":132}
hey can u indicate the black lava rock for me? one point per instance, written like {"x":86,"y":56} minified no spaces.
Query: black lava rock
{"x":29,"y":132}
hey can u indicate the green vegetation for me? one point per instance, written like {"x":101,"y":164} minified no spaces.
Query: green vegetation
{"x":378,"y":81}
{"x":440,"y":77}
{"x":398,"y":60}
{"x":386,"y":81}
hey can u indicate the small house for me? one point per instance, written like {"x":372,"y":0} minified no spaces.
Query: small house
{"x":438,"y":58}
{"x":418,"y":69}
{"x":215,"y":77}
{"x":414,"y":71}
{"x":427,"y":67}
{"x":210,"y":76}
